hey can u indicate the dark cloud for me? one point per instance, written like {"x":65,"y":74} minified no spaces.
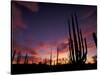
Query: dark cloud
{"x":18,"y":21}
{"x":32,"y":6}
{"x":62,"y":46}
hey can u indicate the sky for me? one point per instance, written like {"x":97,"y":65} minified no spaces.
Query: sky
{"x":38,"y":28}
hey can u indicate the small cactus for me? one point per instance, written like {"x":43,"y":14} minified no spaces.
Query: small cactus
{"x":95,"y":38}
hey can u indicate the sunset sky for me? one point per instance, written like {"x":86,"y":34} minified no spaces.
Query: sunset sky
{"x":38,"y":28}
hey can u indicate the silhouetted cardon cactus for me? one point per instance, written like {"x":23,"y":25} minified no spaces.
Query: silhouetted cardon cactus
{"x":77,"y":45}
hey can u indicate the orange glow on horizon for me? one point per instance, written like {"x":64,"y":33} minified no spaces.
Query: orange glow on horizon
{"x":90,"y":60}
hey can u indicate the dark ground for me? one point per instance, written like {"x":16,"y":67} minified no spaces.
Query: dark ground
{"x":33,"y":68}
